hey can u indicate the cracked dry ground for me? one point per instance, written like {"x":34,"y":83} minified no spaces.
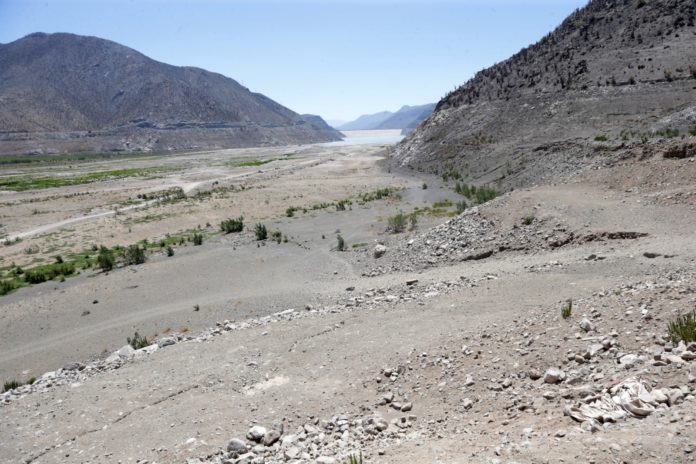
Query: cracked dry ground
{"x":188,"y":400}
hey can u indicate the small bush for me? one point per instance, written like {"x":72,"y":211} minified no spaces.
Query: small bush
{"x":105,"y":259}
{"x":229,"y":226}
{"x":461,"y":206}
{"x":197,"y":239}
{"x":134,"y":255}
{"x":48,"y":272}
{"x":170,"y":251}
{"x":341,"y":205}
{"x":277,"y":236}
{"x":11,"y":385}
{"x":527,"y":220}
{"x":341,"y":244}
{"x":601,"y":138}
{"x":425,"y":186}
{"x":6,"y":286}
{"x":413,"y":219}
{"x":397,"y":223}
{"x":261,"y":232}
{"x":138,"y":341}
{"x":290,"y":212}
{"x":683,"y":328}
{"x":567,"y":309}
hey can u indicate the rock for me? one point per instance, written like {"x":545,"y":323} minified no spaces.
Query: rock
{"x":467,"y":403}
{"x":236,"y":447}
{"x":256,"y":433}
{"x":292,"y":453}
{"x":247,"y":458}
{"x":167,"y":341}
{"x":688,"y":355}
{"x":411,"y":282}
{"x":325,"y":460}
{"x":554,"y":376}
{"x":629,"y":360}
{"x":125,"y":352}
{"x":469,"y":381}
{"x":586,"y":325}
{"x":379,"y":251}
{"x":594,"y":350}
{"x":534,"y":374}
{"x":271,"y":437}
{"x":406,"y":407}
{"x":651,"y":255}
{"x":73,"y":366}
{"x":388,"y":397}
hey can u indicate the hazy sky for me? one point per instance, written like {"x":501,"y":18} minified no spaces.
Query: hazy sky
{"x":338,"y":59}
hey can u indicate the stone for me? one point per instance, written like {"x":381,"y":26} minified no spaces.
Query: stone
{"x":467,"y":403}
{"x":406,"y":407}
{"x":292,"y":453}
{"x":167,"y":341}
{"x":271,"y":437}
{"x":379,"y":251}
{"x":554,"y":376}
{"x":236,"y":447}
{"x":325,"y":460}
{"x":629,"y":360}
{"x":594,"y":350}
{"x":247,"y":458}
{"x":256,"y":433}
{"x":586,"y":325}
{"x":125,"y":352}
{"x":73,"y":366}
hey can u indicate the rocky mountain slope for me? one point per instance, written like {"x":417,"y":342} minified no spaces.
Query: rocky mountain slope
{"x":613,"y":73}
{"x":62,"y":92}
{"x":407,"y":117}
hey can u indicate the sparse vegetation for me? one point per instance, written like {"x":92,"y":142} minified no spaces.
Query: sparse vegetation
{"x":197,"y":239}
{"x":277,"y":236}
{"x":170,"y":251}
{"x":22,"y":183}
{"x":340,"y":243}
{"x":12,"y":384}
{"x":261,"y":232}
{"x":601,"y":138}
{"x":397,"y":223}
{"x":47,"y":272}
{"x":134,"y":255}
{"x":341,"y":205}
{"x":683,"y":328}
{"x":567,"y":309}
{"x":138,"y":341}
{"x":354,"y":459}
{"x":106,"y":259}
{"x":461,"y":206}
{"x":425,"y":186}
{"x":229,"y":226}
{"x":527,"y":220}
{"x":478,"y":195}
{"x":6,"y":286}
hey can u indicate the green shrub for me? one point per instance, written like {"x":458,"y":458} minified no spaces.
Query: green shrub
{"x":425,"y":186}
{"x":340,"y":243}
{"x":601,"y":138}
{"x":397,"y":223}
{"x":6,"y":286}
{"x":341,"y":205}
{"x":197,"y":239}
{"x":48,"y":272}
{"x":170,"y":251}
{"x":290,"y":212}
{"x":567,"y":309}
{"x":138,"y":341}
{"x":683,"y":328}
{"x":692,"y":131}
{"x":277,"y":236}
{"x":134,"y":255}
{"x":106,"y":259}
{"x":11,"y":385}
{"x":461,"y":206}
{"x":229,"y":226}
{"x":413,"y":219}
{"x":261,"y":232}
{"x":527,"y":220}
{"x":354,"y":459}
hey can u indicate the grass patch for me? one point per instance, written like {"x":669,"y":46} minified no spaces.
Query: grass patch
{"x":567,"y":309}
{"x":360,"y":245}
{"x":12,"y":384}
{"x":601,"y":138}
{"x":683,"y":328}
{"x":261,"y":232}
{"x":230,"y":226}
{"x":22,"y":183}
{"x":527,"y":220}
{"x":138,"y":341}
{"x":477,"y":195}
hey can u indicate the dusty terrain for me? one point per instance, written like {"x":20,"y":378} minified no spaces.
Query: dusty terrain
{"x":434,"y":352}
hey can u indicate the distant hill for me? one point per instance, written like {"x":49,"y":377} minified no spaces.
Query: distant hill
{"x":406,"y":117}
{"x":613,"y":73}
{"x":64,"y":92}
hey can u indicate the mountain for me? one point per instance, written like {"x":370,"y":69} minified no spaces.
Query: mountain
{"x":406,"y":118}
{"x":62,"y":92}
{"x":616,"y":73}
{"x":366,"y":121}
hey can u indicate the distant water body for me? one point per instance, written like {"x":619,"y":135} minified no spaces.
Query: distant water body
{"x":369,"y":137}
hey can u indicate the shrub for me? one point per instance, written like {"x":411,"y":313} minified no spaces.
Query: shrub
{"x":105,"y":259}
{"x":277,"y":236}
{"x":11,"y":385}
{"x":290,"y":212}
{"x":425,"y":186}
{"x":48,"y":272}
{"x":683,"y":328}
{"x":229,"y":226}
{"x":397,"y":223}
{"x":261,"y":232}
{"x":341,"y":205}
{"x":461,"y":206}
{"x":413,"y":219}
{"x":567,"y":309}
{"x":170,"y":251}
{"x":341,"y":244}
{"x":693,"y":131}
{"x":601,"y":138}
{"x":138,"y":341}
{"x":527,"y":220}
{"x":197,"y":239}
{"x":6,"y":286}
{"x":134,"y":255}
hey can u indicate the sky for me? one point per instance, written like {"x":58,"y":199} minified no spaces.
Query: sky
{"x":338,"y":59}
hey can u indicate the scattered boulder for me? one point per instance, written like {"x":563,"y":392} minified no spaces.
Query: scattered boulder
{"x":236,"y":447}
{"x":379,"y":251}
{"x":554,"y":376}
{"x":256,"y":433}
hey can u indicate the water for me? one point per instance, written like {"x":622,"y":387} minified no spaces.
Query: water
{"x":370,"y":137}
